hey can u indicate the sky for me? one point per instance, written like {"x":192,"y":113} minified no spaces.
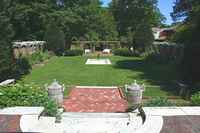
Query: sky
{"x":165,"y":7}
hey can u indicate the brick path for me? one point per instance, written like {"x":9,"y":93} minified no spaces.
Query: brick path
{"x":10,"y":123}
{"x":95,"y":100}
{"x":181,"y":124}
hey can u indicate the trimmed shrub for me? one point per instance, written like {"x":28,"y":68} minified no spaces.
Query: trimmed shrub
{"x":6,"y":35}
{"x":164,"y":53}
{"x":38,"y":57}
{"x":123,"y":52}
{"x":158,"y":102}
{"x":22,"y":66}
{"x":55,"y":39}
{"x":27,"y":95}
{"x":189,"y":66}
{"x":195,"y":99}
{"x":74,"y":52}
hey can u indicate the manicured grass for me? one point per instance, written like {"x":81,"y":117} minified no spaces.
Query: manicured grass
{"x":124,"y":70}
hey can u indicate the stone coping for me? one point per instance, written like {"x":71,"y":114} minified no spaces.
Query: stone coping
{"x":96,"y":115}
{"x":22,"y":111}
{"x":28,"y":122}
{"x":98,"y":62}
{"x":158,"y":120}
{"x":171,"y":111}
{"x":97,"y":87}
{"x":153,"y":124}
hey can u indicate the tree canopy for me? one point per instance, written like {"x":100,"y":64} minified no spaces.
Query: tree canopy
{"x":60,"y":21}
{"x":135,"y":18}
{"x":77,"y":18}
{"x":6,"y":34}
{"x":188,"y":34}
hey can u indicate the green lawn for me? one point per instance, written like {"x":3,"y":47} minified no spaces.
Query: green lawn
{"x":124,"y":70}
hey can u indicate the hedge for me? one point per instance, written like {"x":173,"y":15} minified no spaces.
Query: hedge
{"x":123,"y":52}
{"x":74,"y":52}
{"x":27,"y":95}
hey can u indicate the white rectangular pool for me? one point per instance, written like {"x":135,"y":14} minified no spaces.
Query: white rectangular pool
{"x":98,"y":62}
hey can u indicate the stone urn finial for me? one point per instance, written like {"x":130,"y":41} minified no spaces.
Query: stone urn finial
{"x":55,"y":92}
{"x":135,"y":92}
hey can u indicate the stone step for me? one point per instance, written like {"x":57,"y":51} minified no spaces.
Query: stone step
{"x":28,"y":123}
{"x":22,"y":111}
{"x":95,"y":115}
{"x":47,"y":120}
{"x":46,"y":125}
{"x":100,"y":122}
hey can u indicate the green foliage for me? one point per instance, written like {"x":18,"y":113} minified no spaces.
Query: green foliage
{"x":76,"y":18}
{"x":38,"y":57}
{"x":27,"y":95}
{"x":188,"y":34}
{"x":24,"y":64}
{"x":189,"y":66}
{"x":74,"y":52}
{"x":143,"y":37}
{"x":195,"y":99}
{"x":158,"y":102}
{"x":123,"y":52}
{"x":55,"y":39}
{"x":6,"y":34}
{"x":165,"y":53}
{"x":29,"y":18}
{"x":22,"y":67}
{"x":181,"y":8}
{"x":135,"y":19}
{"x":98,"y":22}
{"x":51,"y":108}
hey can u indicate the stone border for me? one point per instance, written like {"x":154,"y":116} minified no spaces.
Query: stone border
{"x":171,"y":111}
{"x":153,"y":124}
{"x":7,"y":82}
{"x":96,"y":115}
{"x":96,"y":87}
{"x":155,"y":115}
{"x":28,"y":122}
{"x":22,"y":111}
{"x":98,"y":62}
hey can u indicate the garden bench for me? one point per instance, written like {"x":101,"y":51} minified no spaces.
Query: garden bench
{"x":87,"y":51}
{"x":107,"y":51}
{"x":7,"y":82}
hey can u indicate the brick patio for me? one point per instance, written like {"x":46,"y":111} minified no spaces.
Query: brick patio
{"x":10,"y":123}
{"x":181,"y":124}
{"x":95,"y":100}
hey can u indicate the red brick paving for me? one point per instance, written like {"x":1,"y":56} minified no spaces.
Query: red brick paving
{"x":181,"y":124}
{"x":95,"y":100}
{"x":10,"y":123}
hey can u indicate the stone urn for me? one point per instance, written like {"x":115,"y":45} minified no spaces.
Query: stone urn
{"x":56,"y":92}
{"x":134,"y":94}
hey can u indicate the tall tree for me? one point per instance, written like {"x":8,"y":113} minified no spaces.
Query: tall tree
{"x":84,"y":19}
{"x":131,"y":14}
{"x":55,"y":39}
{"x":98,"y":22}
{"x":29,"y":18}
{"x":188,"y":34}
{"x":6,"y":34}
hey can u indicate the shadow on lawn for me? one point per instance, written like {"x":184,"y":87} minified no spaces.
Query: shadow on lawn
{"x":163,"y":75}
